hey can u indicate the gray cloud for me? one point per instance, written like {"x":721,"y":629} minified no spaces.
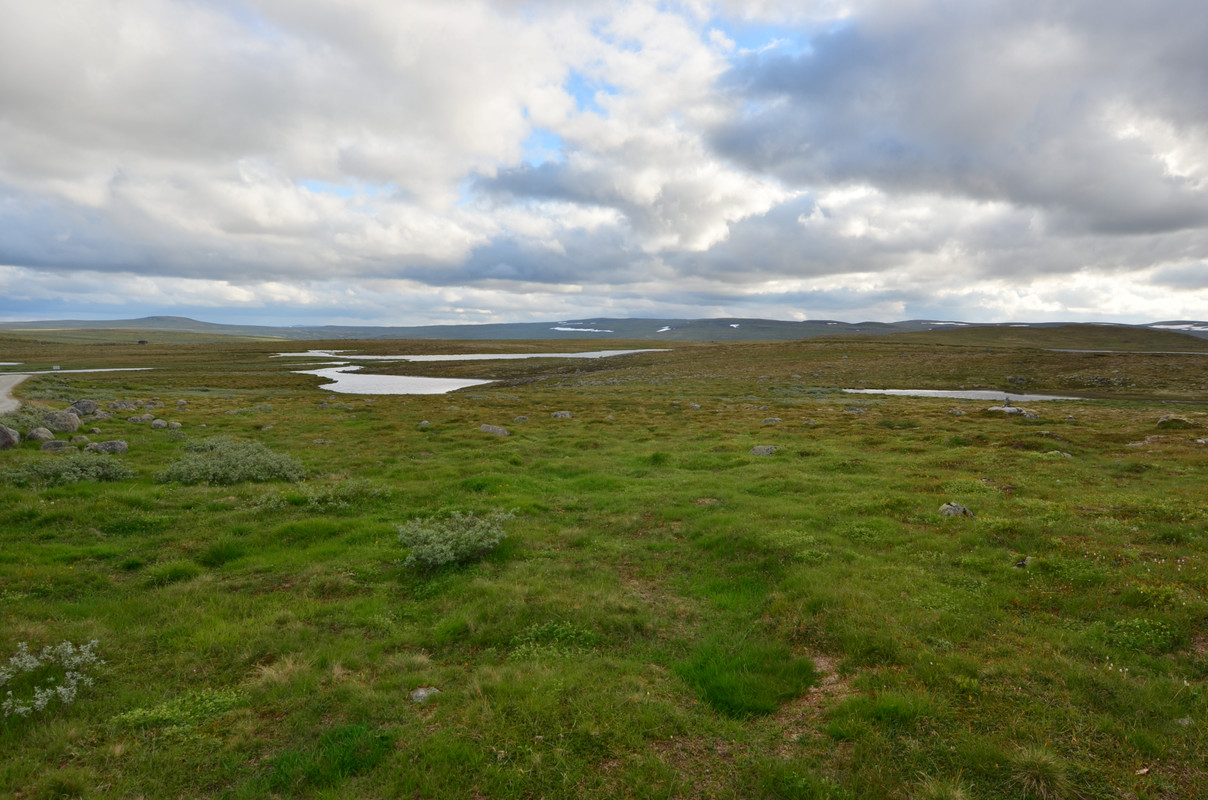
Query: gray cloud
{"x":877,"y":158}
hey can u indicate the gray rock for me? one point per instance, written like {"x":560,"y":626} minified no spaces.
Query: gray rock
{"x":61,"y":421}
{"x":123,"y":405}
{"x":955,"y":510}
{"x":956,"y":412}
{"x":159,"y":424}
{"x":323,"y":405}
{"x":9,"y":438}
{"x":694,"y":406}
{"x":134,"y":419}
{"x":521,"y":418}
{"x":424,"y":424}
{"x":1006,"y":409}
{"x":494,"y":429}
{"x":114,"y":446}
{"x":173,"y":426}
{"x":94,"y":430}
{"x":56,"y":446}
{"x":763,"y":450}
{"x":84,"y":407}
{"x":39,"y":435}
{"x":423,"y":694}
{"x":853,"y":409}
{"x":182,"y":402}
{"x":1060,"y":453}
{"x":772,"y":420}
{"x":1024,"y":562}
{"x":561,"y":415}
{"x":80,"y":440}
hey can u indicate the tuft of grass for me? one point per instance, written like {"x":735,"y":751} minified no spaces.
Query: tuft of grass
{"x":939,"y":789}
{"x":172,"y":572}
{"x":1040,"y":774}
{"x":747,"y":677}
{"x":338,"y":755}
{"x":222,"y":461}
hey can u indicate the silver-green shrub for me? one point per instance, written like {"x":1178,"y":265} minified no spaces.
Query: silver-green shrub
{"x":222,"y":461}
{"x":53,"y":675}
{"x":459,"y":537}
{"x":57,"y":470}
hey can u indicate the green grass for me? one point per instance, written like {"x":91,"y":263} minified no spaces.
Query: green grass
{"x":668,"y":615}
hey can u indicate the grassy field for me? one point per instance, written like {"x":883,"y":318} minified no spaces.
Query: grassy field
{"x":666,"y":616}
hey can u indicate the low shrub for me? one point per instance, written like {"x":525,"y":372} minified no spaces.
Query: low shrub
{"x":222,"y":461}
{"x":57,"y":470}
{"x":459,"y":537}
{"x":53,"y":675}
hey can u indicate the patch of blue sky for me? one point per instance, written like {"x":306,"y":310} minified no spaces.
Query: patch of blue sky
{"x":585,"y":90}
{"x":752,"y":37}
{"x":543,"y":146}
{"x":347,"y":189}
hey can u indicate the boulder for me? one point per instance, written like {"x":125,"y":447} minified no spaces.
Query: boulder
{"x":8,"y":438}
{"x":39,"y":435}
{"x":494,"y":430}
{"x":1006,"y":409}
{"x":114,"y":446}
{"x":57,"y":446}
{"x":85,"y":407}
{"x":763,"y":450}
{"x":159,"y":424}
{"x":772,"y":420}
{"x":955,"y":510}
{"x":561,"y":415}
{"x":61,"y":421}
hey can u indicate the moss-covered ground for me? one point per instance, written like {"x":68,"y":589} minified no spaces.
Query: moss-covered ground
{"x":669,"y":615}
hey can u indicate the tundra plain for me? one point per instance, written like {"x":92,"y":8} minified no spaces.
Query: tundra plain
{"x":669,"y":615}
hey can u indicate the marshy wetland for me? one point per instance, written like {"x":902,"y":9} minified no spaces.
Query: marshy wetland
{"x":665,"y":614}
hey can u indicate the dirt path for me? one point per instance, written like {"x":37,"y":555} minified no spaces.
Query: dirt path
{"x":7,"y":383}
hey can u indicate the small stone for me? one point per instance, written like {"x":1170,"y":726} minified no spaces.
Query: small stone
{"x":763,"y":450}
{"x":94,"y":430}
{"x":1058,"y":453}
{"x":772,"y":420}
{"x":956,"y":412}
{"x":1023,"y":563}
{"x":694,"y":406}
{"x":424,"y":694}
{"x":494,"y":430}
{"x":84,"y":407}
{"x":61,"y":421}
{"x":159,"y":424}
{"x":182,"y":402}
{"x":424,"y":424}
{"x":853,"y":409}
{"x":521,"y":418}
{"x":955,"y":510}
{"x":561,"y":415}
{"x":80,"y":439}
{"x":8,"y":438}
{"x":39,"y":435}
{"x":323,"y":405}
{"x":173,"y":426}
{"x":1184,"y":722}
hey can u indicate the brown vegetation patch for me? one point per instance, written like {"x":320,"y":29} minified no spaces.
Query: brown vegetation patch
{"x":802,"y":716}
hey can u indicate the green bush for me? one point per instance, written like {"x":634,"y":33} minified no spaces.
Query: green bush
{"x":460,"y":537}
{"x":222,"y":461}
{"x":57,"y":470}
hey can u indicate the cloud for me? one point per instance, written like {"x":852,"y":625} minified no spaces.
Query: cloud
{"x":504,"y":158}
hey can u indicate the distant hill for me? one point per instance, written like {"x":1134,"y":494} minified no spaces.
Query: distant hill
{"x":1170,"y":335}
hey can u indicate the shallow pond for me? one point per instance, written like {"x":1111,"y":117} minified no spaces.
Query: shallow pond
{"x":346,"y":380}
{"x":972,"y":394}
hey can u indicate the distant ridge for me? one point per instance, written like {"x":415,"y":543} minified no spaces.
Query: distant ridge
{"x":723,"y":329}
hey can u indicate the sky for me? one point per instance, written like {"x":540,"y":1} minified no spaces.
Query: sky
{"x":408,"y":162}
